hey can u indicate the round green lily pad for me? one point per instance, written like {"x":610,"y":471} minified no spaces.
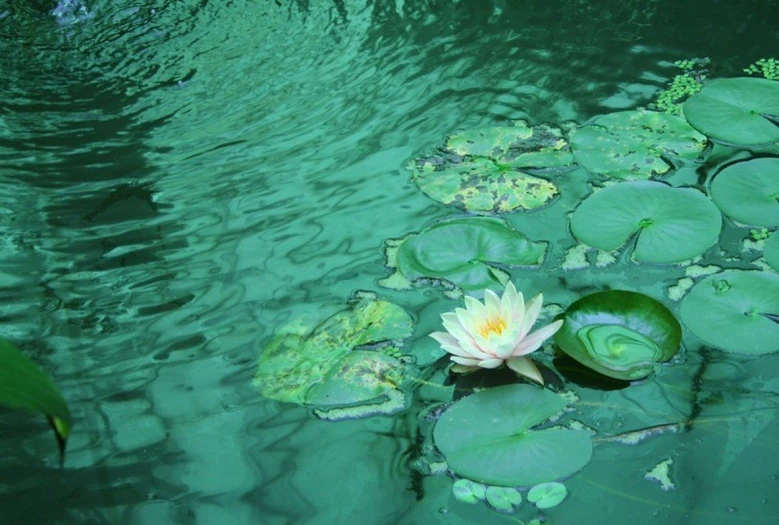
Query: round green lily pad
{"x":748,"y":192}
{"x":547,"y":495}
{"x":619,"y":334}
{"x":326,"y":367}
{"x":479,"y":170}
{"x":634,"y":145}
{"x":467,"y":491}
{"x":736,"y":311}
{"x":739,"y":111}
{"x":464,"y":250}
{"x":506,"y":499}
{"x":489,"y":437}
{"x":771,"y":251}
{"x":671,"y":224}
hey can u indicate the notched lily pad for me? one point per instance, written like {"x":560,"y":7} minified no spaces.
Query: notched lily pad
{"x":636,"y":144}
{"x":333,"y":364}
{"x":505,"y":499}
{"x":467,"y":491}
{"x":670,"y":224}
{"x":771,"y":251}
{"x":547,"y":495}
{"x":620,"y":334}
{"x":494,"y":169}
{"x":489,"y":437}
{"x":738,"y":111}
{"x":748,"y":192}
{"x":736,"y":311}
{"x":466,"y":252}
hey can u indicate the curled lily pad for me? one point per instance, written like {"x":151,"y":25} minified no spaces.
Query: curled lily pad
{"x":771,"y":251}
{"x":506,"y":499}
{"x":670,"y":224}
{"x":619,"y":334}
{"x":635,"y":144}
{"x":327,"y":366}
{"x":736,"y":311}
{"x":489,"y":437}
{"x":547,"y":495}
{"x":491,"y":169}
{"x":24,"y":386}
{"x":748,"y":192}
{"x":465,"y":252}
{"x":739,"y":111}
{"x":467,"y":491}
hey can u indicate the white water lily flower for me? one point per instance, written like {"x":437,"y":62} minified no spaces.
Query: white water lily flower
{"x":495,"y":332}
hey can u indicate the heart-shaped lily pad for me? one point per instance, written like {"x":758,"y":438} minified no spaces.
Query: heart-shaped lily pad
{"x":736,"y":311}
{"x":24,"y":386}
{"x":771,"y":251}
{"x":506,"y":499}
{"x":467,"y":491}
{"x":748,"y":192}
{"x":464,"y":251}
{"x":619,"y":334}
{"x":671,"y":224}
{"x":488,"y":437}
{"x":635,"y":144}
{"x":479,"y":170}
{"x":326,"y":368}
{"x":739,"y":111}
{"x":547,"y":495}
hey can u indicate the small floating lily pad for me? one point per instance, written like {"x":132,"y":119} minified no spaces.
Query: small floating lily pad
{"x":671,"y":224}
{"x":506,"y":499}
{"x":493,"y":169}
{"x":736,"y":311}
{"x":739,"y":111}
{"x":636,"y":144}
{"x":467,"y":491}
{"x":465,"y":251}
{"x":24,"y":386}
{"x":771,"y":251}
{"x":748,"y":192}
{"x":328,"y":367}
{"x":489,"y":437}
{"x":620,"y":334}
{"x":547,"y":495}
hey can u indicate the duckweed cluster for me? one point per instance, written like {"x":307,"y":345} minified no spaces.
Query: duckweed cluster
{"x":684,"y":85}
{"x":766,"y":67}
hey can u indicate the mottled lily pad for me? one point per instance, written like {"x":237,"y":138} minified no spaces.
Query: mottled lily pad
{"x":739,"y":111}
{"x":771,"y":251}
{"x":330,"y":366}
{"x":489,"y":437}
{"x":465,"y":251}
{"x":670,"y":224}
{"x":620,"y":334}
{"x":494,"y":169}
{"x":736,"y":311}
{"x":748,"y":192}
{"x":636,"y":144}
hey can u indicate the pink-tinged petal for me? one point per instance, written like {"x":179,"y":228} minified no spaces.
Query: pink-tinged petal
{"x":518,"y":310}
{"x":525,"y":367}
{"x":490,"y":363}
{"x":534,"y":341}
{"x":462,"y":369}
{"x":466,"y":361}
{"x":502,"y":346}
{"x":531,"y":314}
{"x":450,"y":343}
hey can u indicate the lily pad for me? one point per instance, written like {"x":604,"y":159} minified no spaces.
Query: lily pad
{"x":467,"y":491}
{"x":748,"y":192}
{"x":327,"y":366}
{"x":24,"y":386}
{"x":547,"y":495}
{"x":619,"y":334}
{"x":669,"y":224}
{"x":739,"y":111}
{"x":465,"y":251}
{"x":506,"y":499}
{"x":636,"y":144}
{"x":489,"y":437}
{"x":479,"y":170}
{"x":736,"y":311}
{"x":771,"y":251}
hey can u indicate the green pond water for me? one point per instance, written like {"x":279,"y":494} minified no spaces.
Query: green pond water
{"x":180,"y":180}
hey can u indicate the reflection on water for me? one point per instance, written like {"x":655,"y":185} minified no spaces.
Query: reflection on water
{"x":180,"y":178}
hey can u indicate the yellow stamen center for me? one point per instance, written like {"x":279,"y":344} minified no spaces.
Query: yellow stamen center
{"x":495,"y":325}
